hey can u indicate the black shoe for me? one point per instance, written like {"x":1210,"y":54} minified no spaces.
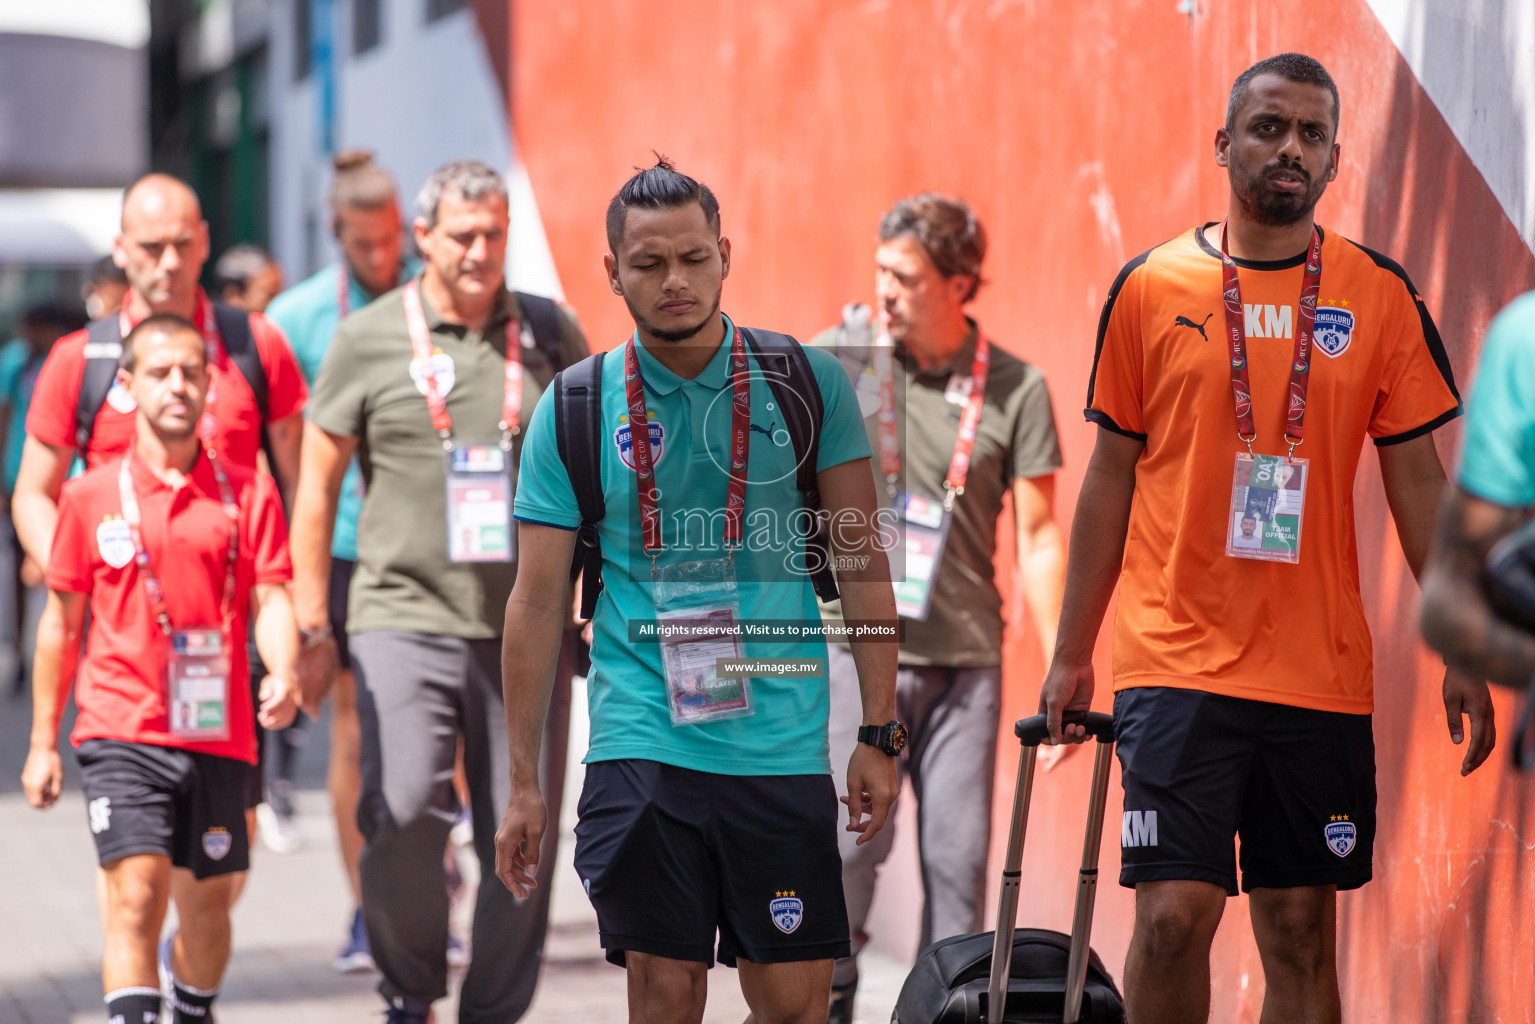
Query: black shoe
{"x":841,"y":1009}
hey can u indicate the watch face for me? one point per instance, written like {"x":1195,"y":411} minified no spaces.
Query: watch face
{"x":898,"y":738}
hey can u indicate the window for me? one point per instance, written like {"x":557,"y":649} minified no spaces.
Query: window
{"x":300,"y":40}
{"x":367,"y":25}
{"x":442,"y":8}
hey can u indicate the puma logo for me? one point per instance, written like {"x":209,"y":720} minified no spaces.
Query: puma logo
{"x":1184,"y":321}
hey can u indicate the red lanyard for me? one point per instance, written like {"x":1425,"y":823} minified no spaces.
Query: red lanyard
{"x":644,"y":467}
{"x":1300,"y":367}
{"x":421,"y":347}
{"x":152,"y":586}
{"x":343,"y":291}
{"x":964,"y":445}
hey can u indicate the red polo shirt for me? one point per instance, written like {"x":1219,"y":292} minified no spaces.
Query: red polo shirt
{"x":120,"y":686}
{"x":51,"y":417}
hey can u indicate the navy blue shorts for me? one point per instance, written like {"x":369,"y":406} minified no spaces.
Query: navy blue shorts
{"x":669,"y":857}
{"x":1297,"y":785}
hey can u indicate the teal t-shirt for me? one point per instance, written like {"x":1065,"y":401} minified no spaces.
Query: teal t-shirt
{"x":690,"y":430}
{"x":308,"y":314}
{"x":18,"y":375}
{"x":1497,"y":461}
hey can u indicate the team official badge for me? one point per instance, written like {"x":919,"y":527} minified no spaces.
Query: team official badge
{"x":1340,"y":837}
{"x":1334,"y":330}
{"x":442,"y":369}
{"x":624,"y":442}
{"x":217,"y":843}
{"x":115,"y":543}
{"x":787,"y":911}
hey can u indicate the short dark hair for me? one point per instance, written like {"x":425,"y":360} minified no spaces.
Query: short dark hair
{"x":661,"y":187}
{"x":947,"y":230}
{"x":164,"y":323}
{"x":1293,"y":67}
{"x":104,"y":270}
{"x":238,"y":265}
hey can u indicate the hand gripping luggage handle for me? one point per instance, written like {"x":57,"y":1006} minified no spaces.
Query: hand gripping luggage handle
{"x":1031,"y":731}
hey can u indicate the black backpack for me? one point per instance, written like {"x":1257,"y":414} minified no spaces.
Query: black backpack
{"x":579,"y":435}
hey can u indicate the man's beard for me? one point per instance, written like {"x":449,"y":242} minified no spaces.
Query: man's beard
{"x":1275,"y":209}
{"x":679,"y":334}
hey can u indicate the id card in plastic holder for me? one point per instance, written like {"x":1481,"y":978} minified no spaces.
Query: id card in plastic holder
{"x":197,"y":685}
{"x":480,"y":504}
{"x":699,"y":612}
{"x":924,"y":532}
{"x":1268,"y":500}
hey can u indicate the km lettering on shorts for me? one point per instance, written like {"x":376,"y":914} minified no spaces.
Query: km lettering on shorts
{"x":1139,"y":829}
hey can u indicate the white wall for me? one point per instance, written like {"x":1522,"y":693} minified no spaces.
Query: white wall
{"x":426,"y":95}
{"x":1476,"y":61}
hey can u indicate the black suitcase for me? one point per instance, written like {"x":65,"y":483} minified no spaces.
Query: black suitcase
{"x":1046,"y":976}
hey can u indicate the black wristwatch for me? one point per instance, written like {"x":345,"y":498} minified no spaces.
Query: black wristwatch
{"x":890,"y":737}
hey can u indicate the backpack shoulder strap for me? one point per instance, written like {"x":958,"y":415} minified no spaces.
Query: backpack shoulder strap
{"x":103,"y":349}
{"x":544,"y":322}
{"x":240,"y":342}
{"x":787,"y":369}
{"x":578,"y":435}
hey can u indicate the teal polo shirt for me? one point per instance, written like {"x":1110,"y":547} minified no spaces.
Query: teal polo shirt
{"x":629,"y":718}
{"x":1497,"y":461}
{"x":308,"y":314}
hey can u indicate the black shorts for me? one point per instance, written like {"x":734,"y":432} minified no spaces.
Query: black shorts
{"x":1297,"y":785}
{"x":340,"y":586}
{"x":670,"y":856}
{"x":187,"y":806}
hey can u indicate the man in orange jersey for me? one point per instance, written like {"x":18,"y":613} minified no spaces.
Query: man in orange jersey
{"x":1242,"y":661}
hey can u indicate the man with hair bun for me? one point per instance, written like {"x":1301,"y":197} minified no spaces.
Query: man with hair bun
{"x":431,"y":383}
{"x":366,"y":222}
{"x":958,"y":424}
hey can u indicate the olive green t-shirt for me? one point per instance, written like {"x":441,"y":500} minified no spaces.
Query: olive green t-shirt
{"x":370,"y":388}
{"x":1015,"y":439}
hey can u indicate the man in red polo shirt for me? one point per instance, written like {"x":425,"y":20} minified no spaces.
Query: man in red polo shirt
{"x":168,"y":547}
{"x":162,"y":247}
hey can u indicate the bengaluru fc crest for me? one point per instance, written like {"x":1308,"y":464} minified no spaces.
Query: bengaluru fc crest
{"x":1340,"y":837}
{"x":787,"y":912}
{"x":217,"y":843}
{"x":1334,"y":330}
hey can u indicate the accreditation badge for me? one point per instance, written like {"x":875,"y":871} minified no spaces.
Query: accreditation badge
{"x":197,"y":685}
{"x":924,"y":532}
{"x":698,"y":615}
{"x":1268,"y":499}
{"x":480,"y":504}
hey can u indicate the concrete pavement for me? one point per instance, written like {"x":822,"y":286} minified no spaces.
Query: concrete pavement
{"x":290,"y":922}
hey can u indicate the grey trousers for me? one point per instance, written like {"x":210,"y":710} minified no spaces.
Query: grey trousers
{"x":416,"y":695}
{"x":953,"y":715}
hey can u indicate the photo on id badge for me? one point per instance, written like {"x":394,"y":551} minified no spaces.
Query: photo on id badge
{"x":698,"y":610}
{"x":1268,"y":496}
{"x":480,"y":504}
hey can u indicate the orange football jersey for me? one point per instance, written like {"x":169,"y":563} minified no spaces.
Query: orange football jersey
{"x":1190,"y":616}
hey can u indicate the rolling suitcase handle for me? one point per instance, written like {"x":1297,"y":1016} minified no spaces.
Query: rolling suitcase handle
{"x":1031,"y":732}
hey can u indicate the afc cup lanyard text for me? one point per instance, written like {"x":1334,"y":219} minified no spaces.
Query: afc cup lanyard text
{"x":644,"y":466}
{"x":421,"y":349}
{"x":1300,"y":366}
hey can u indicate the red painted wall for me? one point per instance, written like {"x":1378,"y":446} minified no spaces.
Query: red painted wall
{"x":1082,"y":133}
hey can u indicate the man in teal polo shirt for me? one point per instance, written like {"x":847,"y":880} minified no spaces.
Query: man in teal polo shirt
{"x":707,"y":809}
{"x":1494,"y":495}
{"x":367,"y":225}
